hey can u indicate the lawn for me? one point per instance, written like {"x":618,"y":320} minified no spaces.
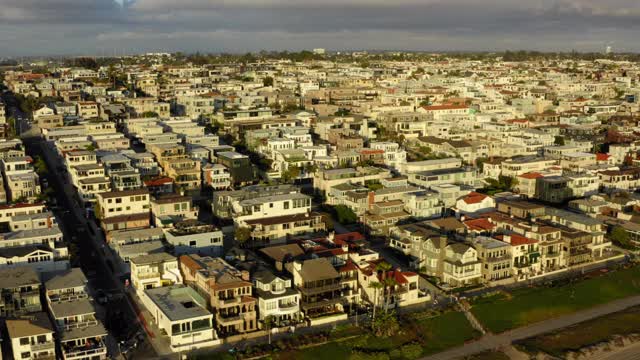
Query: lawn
{"x":585,"y":334}
{"x":422,"y":335}
{"x":530,"y":305}
{"x":445,"y":331}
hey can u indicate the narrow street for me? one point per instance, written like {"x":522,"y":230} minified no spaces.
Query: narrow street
{"x":86,"y":241}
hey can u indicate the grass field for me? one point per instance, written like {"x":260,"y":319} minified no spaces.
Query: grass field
{"x":585,"y":334}
{"x":530,"y":305}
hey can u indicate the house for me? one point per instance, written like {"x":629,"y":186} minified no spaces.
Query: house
{"x":20,"y":289}
{"x":216,"y":176}
{"x":404,"y":289}
{"x":277,"y":299}
{"x":32,"y":338}
{"x":320,"y":287}
{"x":154,"y":270}
{"x":461,"y":265}
{"x":171,"y":208}
{"x":182,"y":314}
{"x":496,"y":259}
{"x":238,"y":165}
{"x":474,"y":203}
{"x":81,"y":335}
{"x":227,"y":290}
{"x":193,"y":237}
{"x":119,"y":210}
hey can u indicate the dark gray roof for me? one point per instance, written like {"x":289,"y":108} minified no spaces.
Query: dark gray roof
{"x":71,"y":278}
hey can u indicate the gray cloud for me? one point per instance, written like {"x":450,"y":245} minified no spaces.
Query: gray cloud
{"x":91,"y":26}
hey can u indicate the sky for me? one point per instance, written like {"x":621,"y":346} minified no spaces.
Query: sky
{"x":116,"y":27}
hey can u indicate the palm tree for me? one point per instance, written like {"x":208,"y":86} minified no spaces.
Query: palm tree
{"x":389,"y":285}
{"x":383,"y":267}
{"x":375,"y":286}
{"x":268,"y":322}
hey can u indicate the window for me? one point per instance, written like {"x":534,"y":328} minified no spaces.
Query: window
{"x":286,"y":205}
{"x":192,"y":243}
{"x":26,"y":355}
{"x":24,"y":341}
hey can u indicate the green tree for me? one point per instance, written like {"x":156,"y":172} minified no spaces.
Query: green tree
{"x":242,"y":235}
{"x":149,"y":114}
{"x":559,"y":140}
{"x":345,"y":215}
{"x":40,"y":166}
{"x":292,"y":173}
{"x":385,"y":325}
{"x":267,"y":81}
{"x":620,"y":237}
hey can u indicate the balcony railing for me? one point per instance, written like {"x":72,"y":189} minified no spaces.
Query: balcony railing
{"x":319,"y":303}
{"x":85,"y":350}
{"x":229,"y":301}
{"x":79,"y":325}
{"x":287,"y":306}
{"x":494,"y":259}
{"x":42,"y":346}
{"x":229,"y":320}
{"x":148,"y":275}
{"x":319,"y":289}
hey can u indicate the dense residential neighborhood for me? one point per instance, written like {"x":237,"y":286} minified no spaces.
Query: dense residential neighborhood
{"x":160,"y":205}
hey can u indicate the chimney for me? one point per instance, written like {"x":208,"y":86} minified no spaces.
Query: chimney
{"x":332,"y":236}
{"x":245,"y":275}
{"x":507,"y":238}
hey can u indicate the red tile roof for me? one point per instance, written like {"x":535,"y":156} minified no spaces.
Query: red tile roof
{"x":444,"y":107}
{"x":517,"y":240}
{"x":474,"y":198}
{"x":602,"y":157}
{"x":531,"y":175}
{"x":479,"y":224}
{"x":158,"y":181}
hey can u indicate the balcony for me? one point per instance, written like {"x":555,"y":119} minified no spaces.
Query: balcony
{"x":228,"y":320}
{"x":319,"y":303}
{"x":553,"y":254}
{"x":229,"y":301}
{"x":79,"y":325}
{"x":143,"y":276}
{"x":42,"y":346}
{"x":320,"y":289}
{"x":88,"y":350}
{"x":287,"y":306}
{"x":495,"y":259}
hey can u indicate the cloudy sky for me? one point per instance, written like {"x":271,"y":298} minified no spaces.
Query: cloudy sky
{"x":107,"y":27}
